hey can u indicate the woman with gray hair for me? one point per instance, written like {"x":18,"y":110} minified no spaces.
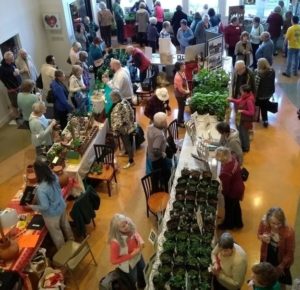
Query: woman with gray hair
{"x":40,"y":127}
{"x":232,"y":188}
{"x":77,"y":89}
{"x":152,"y":34}
{"x":74,"y":52}
{"x":264,"y":87}
{"x":142,"y":19}
{"x":275,"y":22}
{"x":122,"y":124}
{"x":26,"y":66}
{"x":106,"y":20}
{"x":156,"y":151}
{"x":201,"y":28}
{"x":126,"y":246}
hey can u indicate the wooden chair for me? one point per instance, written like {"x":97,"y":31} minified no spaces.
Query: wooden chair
{"x":156,"y":201}
{"x":105,"y":155}
{"x":173,"y":129}
{"x":71,"y":254}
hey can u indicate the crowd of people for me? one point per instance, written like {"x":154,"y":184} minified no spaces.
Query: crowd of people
{"x":253,"y":85}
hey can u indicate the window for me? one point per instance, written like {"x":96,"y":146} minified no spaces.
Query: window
{"x":197,"y":5}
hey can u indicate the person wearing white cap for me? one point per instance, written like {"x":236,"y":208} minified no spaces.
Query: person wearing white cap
{"x":158,"y":103}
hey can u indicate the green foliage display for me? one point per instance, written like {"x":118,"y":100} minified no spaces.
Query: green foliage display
{"x":210,"y":93}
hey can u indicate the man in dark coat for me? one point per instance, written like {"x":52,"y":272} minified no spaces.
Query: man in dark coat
{"x":177,"y":17}
{"x":10,"y":76}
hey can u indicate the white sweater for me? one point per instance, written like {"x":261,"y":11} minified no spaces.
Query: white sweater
{"x":233,"y":268}
{"x":122,"y":82}
{"x":75,"y":84}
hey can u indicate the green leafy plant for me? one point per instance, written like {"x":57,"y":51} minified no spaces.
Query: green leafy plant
{"x":177,"y":282}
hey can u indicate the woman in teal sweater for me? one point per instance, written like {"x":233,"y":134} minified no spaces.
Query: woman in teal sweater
{"x":264,"y":277}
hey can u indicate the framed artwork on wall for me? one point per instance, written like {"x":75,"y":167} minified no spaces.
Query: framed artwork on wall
{"x":51,"y":21}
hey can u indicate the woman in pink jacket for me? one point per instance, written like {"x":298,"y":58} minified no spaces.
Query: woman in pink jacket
{"x":181,"y":90}
{"x":246,"y":108}
{"x":159,"y":14}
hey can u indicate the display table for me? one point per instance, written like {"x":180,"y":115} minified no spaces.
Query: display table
{"x":185,"y":161}
{"x":80,"y":170}
{"x":27,"y":253}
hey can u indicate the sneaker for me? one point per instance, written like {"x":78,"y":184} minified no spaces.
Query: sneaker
{"x":286,"y":75}
{"x":129,"y":164}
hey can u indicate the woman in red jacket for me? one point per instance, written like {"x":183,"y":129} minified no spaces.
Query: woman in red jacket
{"x":278,"y":244}
{"x":246,"y":108}
{"x":126,"y":249}
{"x":232,"y":188}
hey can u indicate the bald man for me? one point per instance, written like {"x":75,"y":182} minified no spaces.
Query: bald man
{"x":121,"y":80}
{"x":242,"y":75}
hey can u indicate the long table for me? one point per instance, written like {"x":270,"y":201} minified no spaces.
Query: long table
{"x":185,"y":160}
{"x":80,"y":170}
{"x":27,"y":253}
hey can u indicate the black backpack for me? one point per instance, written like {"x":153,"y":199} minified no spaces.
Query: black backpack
{"x":39,"y":82}
{"x":10,"y":280}
{"x":116,"y":280}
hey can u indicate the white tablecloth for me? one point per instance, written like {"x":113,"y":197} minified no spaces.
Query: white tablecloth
{"x":185,"y":160}
{"x":80,"y":170}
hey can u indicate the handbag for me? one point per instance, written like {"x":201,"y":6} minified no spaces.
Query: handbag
{"x":244,"y":174}
{"x":272,"y":106}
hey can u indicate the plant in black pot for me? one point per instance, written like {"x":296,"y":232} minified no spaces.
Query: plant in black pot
{"x":170,"y":236}
{"x":177,"y":282}
{"x":179,"y":261}
{"x":182,"y":235}
{"x":182,"y":181}
{"x":181,"y":248}
{"x":180,"y":197}
{"x":185,"y":173}
{"x":178,"y":271}
{"x":215,"y":184}
{"x":178,"y":205}
{"x":192,"y":263}
{"x":165,"y":270}
{"x":192,"y":189}
{"x":166,"y":258}
{"x":195,"y":174}
{"x":158,"y":282}
{"x":180,"y":189}
{"x":169,"y":246}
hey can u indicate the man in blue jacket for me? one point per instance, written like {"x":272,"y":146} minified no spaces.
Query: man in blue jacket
{"x":266,"y":49}
{"x":60,"y":96}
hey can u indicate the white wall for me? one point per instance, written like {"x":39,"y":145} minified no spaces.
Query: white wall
{"x":21,"y":17}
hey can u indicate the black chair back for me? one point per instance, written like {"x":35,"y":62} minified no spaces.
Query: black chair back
{"x":173,"y":129}
{"x":104,"y":154}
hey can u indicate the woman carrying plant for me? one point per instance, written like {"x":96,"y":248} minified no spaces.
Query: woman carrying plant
{"x":277,"y":244}
{"x":243,"y":48}
{"x":181,"y":91}
{"x":264,"y":277}
{"x":246,"y":110}
{"x":51,"y":204}
{"x":232,"y":189}
{"x":126,"y":246}
{"x":265,"y":87}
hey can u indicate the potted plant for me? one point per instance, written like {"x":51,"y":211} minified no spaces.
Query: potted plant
{"x":171,"y":236}
{"x":182,"y":180}
{"x":165,"y":270}
{"x":169,"y":246}
{"x":195,"y":174}
{"x":185,"y":173}
{"x":159,"y":282}
{"x":179,"y":197}
{"x":173,"y":223}
{"x":182,"y":235}
{"x":177,"y":282}
{"x":178,"y":271}
{"x":192,"y":263}
{"x":181,"y":248}
{"x":166,"y":258}
{"x":179,"y":260}
{"x":178,"y":205}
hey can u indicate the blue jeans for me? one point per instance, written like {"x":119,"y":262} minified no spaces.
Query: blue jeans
{"x":293,"y":56}
{"x":137,"y":273}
